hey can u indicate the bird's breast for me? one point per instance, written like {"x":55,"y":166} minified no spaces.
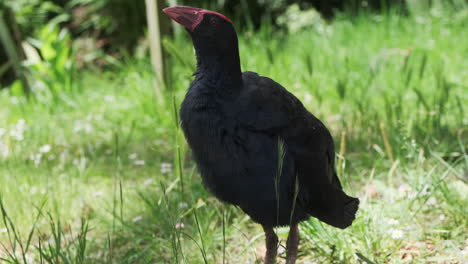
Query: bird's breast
{"x":210,"y":133}
{"x":236,"y":164}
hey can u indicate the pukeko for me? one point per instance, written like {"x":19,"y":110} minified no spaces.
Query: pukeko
{"x":255,"y":144}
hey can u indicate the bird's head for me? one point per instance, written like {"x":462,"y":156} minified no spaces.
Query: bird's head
{"x":211,"y":32}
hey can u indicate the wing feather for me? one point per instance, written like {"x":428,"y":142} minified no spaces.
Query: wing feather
{"x":269,"y":108}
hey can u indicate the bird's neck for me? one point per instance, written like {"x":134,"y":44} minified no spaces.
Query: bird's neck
{"x":221,"y":72}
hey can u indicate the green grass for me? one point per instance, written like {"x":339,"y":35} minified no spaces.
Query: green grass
{"x":391,"y":88}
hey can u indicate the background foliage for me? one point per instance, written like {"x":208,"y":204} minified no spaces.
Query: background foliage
{"x":120,"y":23}
{"x":94,"y":167}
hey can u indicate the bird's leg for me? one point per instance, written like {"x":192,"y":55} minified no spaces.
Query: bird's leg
{"x":271,"y":245}
{"x":291,"y":244}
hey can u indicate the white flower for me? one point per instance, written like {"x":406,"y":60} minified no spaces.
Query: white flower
{"x":307,"y":98}
{"x":109,"y":98}
{"x":396,"y":233}
{"x":179,"y":225}
{"x":166,"y":167}
{"x":17,"y":132}
{"x":4,"y":150}
{"x":98,"y":117}
{"x":392,"y":221}
{"x":77,"y":127}
{"x":21,"y":124}
{"x":14,"y":100}
{"x":88,"y":128}
{"x":404,"y":189}
{"x":148,"y":182}
{"x":442,"y":217}
{"x":63,"y":156}
{"x":183,"y":205}
{"x":98,"y":194}
{"x":16,"y":135}
{"x":200,"y":202}
{"x":83,"y":126}
{"x":3,"y":230}
{"x":45,"y":149}
{"x":432,"y":201}
{"x":139,"y":162}
{"x":133,"y":156}
{"x":80,"y":163}
{"x":136,"y":219}
{"x":33,"y":190}
{"x":36,"y":158}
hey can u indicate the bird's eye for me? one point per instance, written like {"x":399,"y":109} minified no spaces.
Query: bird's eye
{"x":214,"y":22}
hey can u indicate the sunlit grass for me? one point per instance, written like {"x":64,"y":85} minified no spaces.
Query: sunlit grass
{"x":92,"y":165}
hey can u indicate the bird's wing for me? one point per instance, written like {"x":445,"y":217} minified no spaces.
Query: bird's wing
{"x":269,"y":108}
{"x":266,"y":105}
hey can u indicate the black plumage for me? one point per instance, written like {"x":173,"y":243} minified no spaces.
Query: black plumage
{"x":243,"y":127}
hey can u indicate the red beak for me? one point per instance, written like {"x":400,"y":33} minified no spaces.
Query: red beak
{"x":188,"y":16}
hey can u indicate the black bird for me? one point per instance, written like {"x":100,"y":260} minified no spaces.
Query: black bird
{"x":255,"y":144}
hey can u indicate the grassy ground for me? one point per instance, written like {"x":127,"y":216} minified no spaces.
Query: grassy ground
{"x":100,"y":173}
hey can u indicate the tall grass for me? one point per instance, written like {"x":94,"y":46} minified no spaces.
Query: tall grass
{"x":102,"y":174}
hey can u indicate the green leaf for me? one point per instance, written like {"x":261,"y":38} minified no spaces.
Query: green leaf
{"x":16,"y":89}
{"x":362,"y":257}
